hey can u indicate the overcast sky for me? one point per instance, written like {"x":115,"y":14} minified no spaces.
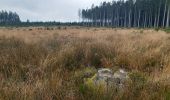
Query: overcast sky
{"x":47,"y":10}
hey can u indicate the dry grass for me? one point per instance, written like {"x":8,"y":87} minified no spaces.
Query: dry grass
{"x":40,"y":63}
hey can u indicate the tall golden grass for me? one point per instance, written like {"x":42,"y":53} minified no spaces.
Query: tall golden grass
{"x":41,"y":64}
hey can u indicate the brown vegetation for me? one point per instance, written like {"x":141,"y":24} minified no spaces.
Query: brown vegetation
{"x":41,"y":64}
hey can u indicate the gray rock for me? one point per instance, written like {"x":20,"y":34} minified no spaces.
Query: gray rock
{"x":106,"y":78}
{"x":120,"y":78}
{"x":104,"y":74}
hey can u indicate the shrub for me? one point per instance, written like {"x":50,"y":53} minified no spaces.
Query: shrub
{"x":138,"y":78}
{"x":167,"y":30}
{"x":157,"y":29}
{"x":59,"y":28}
{"x":141,"y":31}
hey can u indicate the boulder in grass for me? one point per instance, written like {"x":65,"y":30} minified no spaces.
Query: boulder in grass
{"x":122,"y":74}
{"x":121,"y":78}
{"x":106,"y":79}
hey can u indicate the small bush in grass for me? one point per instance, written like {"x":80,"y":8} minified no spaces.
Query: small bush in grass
{"x":83,"y":89}
{"x":59,"y":27}
{"x":157,"y":29}
{"x":167,"y":30}
{"x":97,"y":53}
{"x":65,"y":28}
{"x":82,"y":74}
{"x":141,"y":31}
{"x":152,"y":62}
{"x":167,"y":94}
{"x":48,"y":28}
{"x":138,"y":78}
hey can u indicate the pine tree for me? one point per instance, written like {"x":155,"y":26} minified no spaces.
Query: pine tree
{"x":129,"y":13}
{"x":8,"y":18}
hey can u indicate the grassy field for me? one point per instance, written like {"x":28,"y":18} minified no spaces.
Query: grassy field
{"x":38,"y":63}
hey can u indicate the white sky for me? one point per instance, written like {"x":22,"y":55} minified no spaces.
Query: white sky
{"x":47,"y":10}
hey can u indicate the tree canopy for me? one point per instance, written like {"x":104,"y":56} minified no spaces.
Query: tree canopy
{"x":128,"y":13}
{"x":8,"y":18}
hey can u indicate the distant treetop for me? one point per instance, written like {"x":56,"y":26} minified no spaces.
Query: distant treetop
{"x":8,"y":18}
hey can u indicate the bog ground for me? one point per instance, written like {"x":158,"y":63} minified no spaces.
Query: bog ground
{"x":49,"y":63}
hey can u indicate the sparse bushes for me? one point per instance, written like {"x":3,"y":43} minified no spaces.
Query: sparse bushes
{"x":59,"y":27}
{"x":49,"y":28}
{"x":30,"y":29}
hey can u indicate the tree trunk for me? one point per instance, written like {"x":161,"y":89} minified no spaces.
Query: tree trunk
{"x":150,"y":19}
{"x":130,"y":18}
{"x":139,"y":18}
{"x":159,"y":14}
{"x":104,"y":19}
{"x":167,"y":21}
{"x":100,"y":19}
{"x":155,"y":21}
{"x":118,"y":18}
{"x":125,"y":19}
{"x":145,"y":21}
{"x":163,"y":23}
{"x":134,"y":22}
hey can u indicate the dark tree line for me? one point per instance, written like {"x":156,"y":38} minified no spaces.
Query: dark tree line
{"x":8,"y":18}
{"x":46,"y":24}
{"x":13,"y":19}
{"x":128,"y":13}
